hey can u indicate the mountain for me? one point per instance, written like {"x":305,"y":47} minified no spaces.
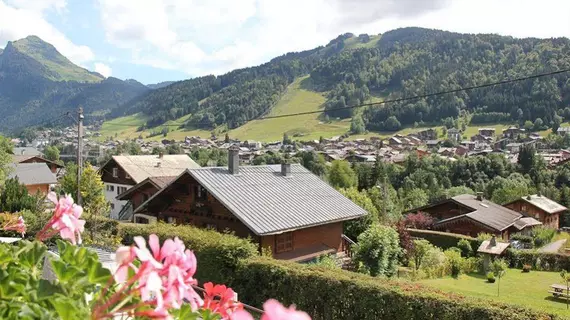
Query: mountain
{"x":405,"y":62}
{"x":36,"y":80}
{"x":160,"y":84}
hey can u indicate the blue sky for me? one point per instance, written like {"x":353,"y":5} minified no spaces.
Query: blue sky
{"x":161,"y":40}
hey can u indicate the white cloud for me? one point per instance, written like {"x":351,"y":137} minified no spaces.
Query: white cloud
{"x":200,"y":37}
{"x":103,"y":69}
{"x":19,"y":19}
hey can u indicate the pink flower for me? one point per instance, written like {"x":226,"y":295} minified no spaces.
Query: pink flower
{"x":220,"y":299}
{"x":276,"y":311}
{"x":13,"y":224}
{"x":241,"y":315}
{"x":65,"y":220}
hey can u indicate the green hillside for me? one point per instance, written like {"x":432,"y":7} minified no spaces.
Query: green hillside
{"x":58,"y":67}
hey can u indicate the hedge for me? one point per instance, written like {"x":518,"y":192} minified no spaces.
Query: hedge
{"x":444,"y":240}
{"x":321,"y":292}
{"x":218,"y":254}
{"x":544,"y":261}
{"x":338,"y":294}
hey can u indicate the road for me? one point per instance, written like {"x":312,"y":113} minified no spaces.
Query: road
{"x":553,"y":247}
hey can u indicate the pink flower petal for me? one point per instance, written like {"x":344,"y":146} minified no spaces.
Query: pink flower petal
{"x":241,"y":315}
{"x":154,"y":245}
{"x":52,"y":197}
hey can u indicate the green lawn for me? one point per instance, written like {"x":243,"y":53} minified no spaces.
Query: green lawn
{"x":472,"y":130}
{"x":354,"y":42}
{"x":527,"y":289}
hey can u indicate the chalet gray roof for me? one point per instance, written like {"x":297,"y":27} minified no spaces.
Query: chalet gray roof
{"x":526,"y":222}
{"x":33,"y":173}
{"x":269,"y":203}
{"x":144,"y":166}
{"x":544,"y":203}
{"x":488,"y":213}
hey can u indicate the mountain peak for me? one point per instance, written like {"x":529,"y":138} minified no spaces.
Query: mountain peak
{"x":56,"y":67}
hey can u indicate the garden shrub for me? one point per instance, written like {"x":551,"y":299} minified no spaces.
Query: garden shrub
{"x":444,"y":240}
{"x":542,"y":235}
{"x":537,"y":260}
{"x":378,"y":250}
{"x":454,"y":261}
{"x":338,"y":294}
{"x":490,"y":277}
{"x":465,"y":246}
{"x":527,"y":241}
{"x":218,"y":253}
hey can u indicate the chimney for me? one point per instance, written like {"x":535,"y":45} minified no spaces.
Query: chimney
{"x":233,"y":160}
{"x":161,"y":155}
{"x":493,"y":242}
{"x":480,"y":196}
{"x":286,"y":169}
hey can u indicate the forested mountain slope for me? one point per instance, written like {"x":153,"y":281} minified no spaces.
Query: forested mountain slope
{"x":399,"y":63}
{"x":38,"y":83}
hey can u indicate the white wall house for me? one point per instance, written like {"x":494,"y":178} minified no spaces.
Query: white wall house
{"x":112,"y":190}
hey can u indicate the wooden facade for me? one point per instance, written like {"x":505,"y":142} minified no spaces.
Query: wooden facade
{"x":187,"y":202}
{"x":35,"y":188}
{"x":113,"y":173}
{"x":551,"y":220}
{"x":54,"y":167}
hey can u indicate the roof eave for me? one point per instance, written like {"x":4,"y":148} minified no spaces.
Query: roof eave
{"x":310,"y":225}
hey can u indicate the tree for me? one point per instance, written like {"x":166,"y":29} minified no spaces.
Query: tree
{"x":313,"y":161}
{"x":357,"y":125}
{"x":505,"y":190}
{"x":92,"y":189}
{"x":15,"y":197}
{"x":528,"y":125}
{"x":499,"y":268}
{"x":174,"y":148}
{"x":51,"y":153}
{"x":286,"y":139}
{"x":6,"y":149}
{"x":392,"y":124}
{"x":527,"y":158}
{"x":354,"y":228}
{"x":538,"y":124}
{"x":414,"y":198}
{"x":420,"y":249}
{"x":378,"y":250}
{"x":465,"y":246}
{"x":227,"y":138}
{"x":341,"y":175}
{"x":556,"y":122}
{"x":420,"y":220}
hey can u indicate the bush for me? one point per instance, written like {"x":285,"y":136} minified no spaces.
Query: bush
{"x":527,"y":241}
{"x":454,"y":261}
{"x":542,"y":236}
{"x":444,"y":240}
{"x":537,"y":260}
{"x":465,"y":246}
{"x":378,"y":250}
{"x":490,"y":277}
{"x":526,"y":268}
{"x":219,"y":254}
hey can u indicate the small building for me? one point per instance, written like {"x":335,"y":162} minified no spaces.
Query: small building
{"x":562,"y":131}
{"x":26,"y":151}
{"x":470,"y":145}
{"x":284,"y":208}
{"x":141,"y":192}
{"x":37,"y":177}
{"x":470,"y":215}
{"x":361,"y":158}
{"x":121,"y":173}
{"x":490,"y":249}
{"x":53,"y":166}
{"x":394,"y":141}
{"x":487,"y":132}
{"x":514,"y":147}
{"x":429,"y":134}
{"x":512,"y":132}
{"x":453,"y":134}
{"x":433,"y":143}
{"x":541,"y":208}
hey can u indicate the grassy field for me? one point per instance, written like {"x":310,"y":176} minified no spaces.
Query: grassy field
{"x":354,"y":42}
{"x":308,"y":127}
{"x":527,"y":289}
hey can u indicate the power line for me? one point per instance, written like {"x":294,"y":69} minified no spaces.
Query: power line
{"x":417,"y":97}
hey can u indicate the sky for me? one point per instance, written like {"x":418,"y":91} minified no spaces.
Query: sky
{"x":166,"y":40}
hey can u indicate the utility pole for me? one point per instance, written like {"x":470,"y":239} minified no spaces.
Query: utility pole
{"x":79,"y":152}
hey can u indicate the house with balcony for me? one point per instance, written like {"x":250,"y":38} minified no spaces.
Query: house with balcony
{"x":284,"y":208}
{"x":539,"y":207}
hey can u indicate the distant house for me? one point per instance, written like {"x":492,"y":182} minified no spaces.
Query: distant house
{"x":512,"y":132}
{"x":429,"y":134}
{"x":453,"y":134}
{"x":470,"y":215}
{"x":284,"y":208}
{"x":54,"y":167}
{"x":487,"y":132}
{"x":562,"y":131}
{"x":394,"y":141}
{"x":470,"y":145}
{"x":433,"y":143}
{"x":361,"y":158}
{"x":539,"y":207}
{"x":121,"y":173}
{"x":26,"y":151}
{"x":37,"y":177}
{"x":500,"y":144}
{"x":480,"y":138}
{"x":514,"y":147}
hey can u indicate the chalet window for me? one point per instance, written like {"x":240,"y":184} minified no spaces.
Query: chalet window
{"x":110,"y":188}
{"x":200,"y":193}
{"x":523,"y":208}
{"x":121,"y":190}
{"x":284,"y":242}
{"x":115,"y":172}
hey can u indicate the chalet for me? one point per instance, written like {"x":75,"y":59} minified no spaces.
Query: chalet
{"x":500,"y":144}
{"x":480,"y":138}
{"x":539,"y":207}
{"x":562,"y":131}
{"x":487,"y":132}
{"x":54,"y":167}
{"x":512,"y":132}
{"x":429,"y":134}
{"x":121,"y":173}
{"x":470,"y":215}
{"x":284,"y":208}
{"x":433,"y":143}
{"x":394,"y":141}
{"x":470,"y":145}
{"x":26,"y":151}
{"x":361,"y":158}
{"x":453,"y":134}
{"x":514,"y":147}
{"x":37,"y":177}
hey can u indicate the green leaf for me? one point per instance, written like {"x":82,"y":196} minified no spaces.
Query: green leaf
{"x":185,"y":312}
{"x":64,"y":272}
{"x":98,"y":274}
{"x":64,"y":308}
{"x":47,"y":289}
{"x":31,"y":254}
